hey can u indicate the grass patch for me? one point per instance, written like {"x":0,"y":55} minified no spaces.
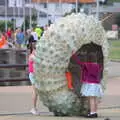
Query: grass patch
{"x":114,"y":1}
{"x":114,"y":53}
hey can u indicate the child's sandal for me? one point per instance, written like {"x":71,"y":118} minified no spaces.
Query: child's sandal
{"x":95,"y":115}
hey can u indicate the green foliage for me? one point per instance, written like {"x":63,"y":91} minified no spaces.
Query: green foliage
{"x":118,"y":19}
{"x":114,"y":50}
{"x":34,"y":19}
{"x":114,"y":0}
{"x":2,"y":25}
{"x":27,"y":21}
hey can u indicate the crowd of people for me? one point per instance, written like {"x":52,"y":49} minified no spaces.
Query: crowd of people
{"x":20,"y":39}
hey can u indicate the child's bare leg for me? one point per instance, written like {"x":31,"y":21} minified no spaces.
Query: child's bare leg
{"x":96,"y":104}
{"x":93,"y":105}
{"x":34,"y":110}
{"x":34,"y":97}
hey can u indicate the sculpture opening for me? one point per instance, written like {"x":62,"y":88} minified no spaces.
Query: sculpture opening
{"x":90,"y":52}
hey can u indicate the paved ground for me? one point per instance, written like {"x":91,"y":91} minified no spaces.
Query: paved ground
{"x":114,"y":69}
{"x":15,"y":102}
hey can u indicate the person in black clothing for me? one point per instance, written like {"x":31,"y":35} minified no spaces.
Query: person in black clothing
{"x":31,"y":42}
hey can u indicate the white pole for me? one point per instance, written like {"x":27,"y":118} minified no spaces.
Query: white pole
{"x":6,"y":26}
{"x":76,"y":6}
{"x":47,"y":11}
{"x":97,"y":9}
{"x":24,"y":16}
{"x":60,"y":4}
{"x":14,"y":20}
{"x":38,"y":12}
{"x":18,"y":12}
{"x":30,"y":12}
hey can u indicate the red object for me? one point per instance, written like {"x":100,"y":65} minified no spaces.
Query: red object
{"x":3,"y":41}
{"x":114,"y":27}
{"x":69,"y":79}
{"x":9,"y":34}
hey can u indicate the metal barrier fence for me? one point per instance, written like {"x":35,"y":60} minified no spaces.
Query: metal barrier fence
{"x":8,"y":66}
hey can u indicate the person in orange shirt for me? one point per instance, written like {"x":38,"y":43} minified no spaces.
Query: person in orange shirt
{"x":3,"y":41}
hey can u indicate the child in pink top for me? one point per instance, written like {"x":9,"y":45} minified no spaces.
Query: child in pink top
{"x":90,"y":79}
{"x":32,"y":79}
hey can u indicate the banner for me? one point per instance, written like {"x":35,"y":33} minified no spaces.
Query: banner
{"x":15,"y":3}
{"x":19,"y":3}
{"x":11,"y":3}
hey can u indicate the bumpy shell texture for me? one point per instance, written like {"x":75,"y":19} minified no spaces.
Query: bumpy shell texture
{"x":53,"y":52}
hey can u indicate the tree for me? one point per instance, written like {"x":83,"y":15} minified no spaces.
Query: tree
{"x":27,"y":21}
{"x":118,"y":19}
{"x":2,"y":25}
{"x":103,"y":2}
{"x":34,"y":19}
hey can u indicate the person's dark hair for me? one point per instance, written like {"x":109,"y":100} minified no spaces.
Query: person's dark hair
{"x":33,"y":47}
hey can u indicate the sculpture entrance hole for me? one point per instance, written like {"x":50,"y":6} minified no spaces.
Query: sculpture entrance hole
{"x":90,"y":52}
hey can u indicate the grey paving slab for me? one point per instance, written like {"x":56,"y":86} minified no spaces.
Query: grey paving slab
{"x":16,"y":102}
{"x":107,"y":114}
{"x":114,"y":69}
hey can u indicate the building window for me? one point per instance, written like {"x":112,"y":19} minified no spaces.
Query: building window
{"x":27,"y":1}
{"x":45,"y":5}
{"x":57,"y":5}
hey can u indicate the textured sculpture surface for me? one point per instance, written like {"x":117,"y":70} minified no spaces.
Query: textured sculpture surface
{"x":53,"y":53}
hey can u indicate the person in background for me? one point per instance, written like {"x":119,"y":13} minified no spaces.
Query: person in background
{"x":20,"y":38}
{"x":9,"y":35}
{"x":3,"y":40}
{"x":39,"y":31}
{"x":33,"y":38}
{"x":27,"y":36}
{"x":34,"y":34}
{"x":14,"y":36}
{"x":34,"y":110}
{"x":46,"y":27}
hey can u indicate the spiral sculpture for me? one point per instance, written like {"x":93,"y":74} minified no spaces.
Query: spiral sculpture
{"x":53,"y":52}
